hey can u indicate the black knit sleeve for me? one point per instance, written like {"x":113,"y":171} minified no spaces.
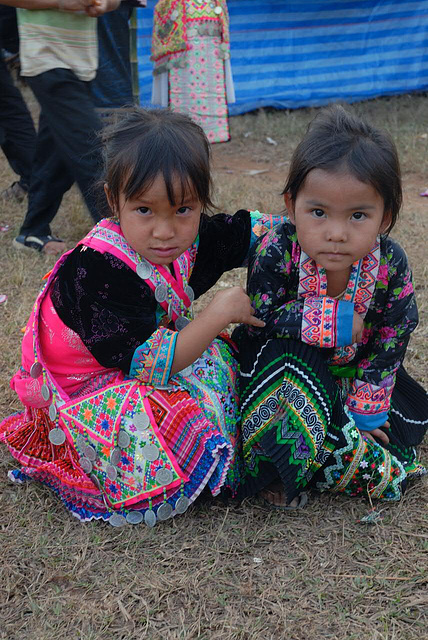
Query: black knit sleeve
{"x":106,"y":304}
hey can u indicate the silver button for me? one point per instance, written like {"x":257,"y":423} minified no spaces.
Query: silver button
{"x":111,"y":472}
{"x":134,"y":517}
{"x":144,"y":269}
{"x":86,"y":464}
{"x":89,"y":452}
{"x":46,"y":392}
{"x":150,"y":452}
{"x":189,"y":292}
{"x":36,"y":370}
{"x":116,"y":520}
{"x":150,"y":518}
{"x":164,"y":476}
{"x":57,"y":436}
{"x":164,"y":511}
{"x":53,"y":412}
{"x":182,"y":504}
{"x":115,"y":456}
{"x":141,"y":421}
{"x":161,"y":293}
{"x":95,"y":480}
{"x":123,"y":439}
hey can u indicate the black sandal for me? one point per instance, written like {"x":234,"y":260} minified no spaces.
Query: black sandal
{"x":36,"y":243}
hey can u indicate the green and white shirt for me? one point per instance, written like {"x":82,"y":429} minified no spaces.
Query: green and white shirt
{"x":51,"y":39}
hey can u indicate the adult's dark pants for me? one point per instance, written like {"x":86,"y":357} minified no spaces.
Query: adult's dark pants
{"x":17,"y":132}
{"x":68,"y":150}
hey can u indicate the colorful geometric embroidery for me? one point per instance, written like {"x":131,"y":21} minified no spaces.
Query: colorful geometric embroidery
{"x":319,"y":321}
{"x":312,"y":278}
{"x":366,"y":398}
{"x":363,"y":467}
{"x":362,"y":281}
{"x":152,"y":361}
{"x":172,"y":22}
{"x":113,"y":413}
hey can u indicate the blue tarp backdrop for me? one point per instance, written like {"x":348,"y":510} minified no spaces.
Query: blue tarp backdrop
{"x":296,"y":54}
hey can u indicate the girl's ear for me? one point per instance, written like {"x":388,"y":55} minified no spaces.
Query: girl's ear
{"x":109,"y":198}
{"x":386,"y":222}
{"x":289,"y":205}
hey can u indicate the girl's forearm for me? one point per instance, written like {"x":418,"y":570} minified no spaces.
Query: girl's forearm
{"x":195,"y":338}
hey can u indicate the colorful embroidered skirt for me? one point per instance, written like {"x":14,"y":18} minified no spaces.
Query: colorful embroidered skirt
{"x":114,"y":467}
{"x":295,"y":427}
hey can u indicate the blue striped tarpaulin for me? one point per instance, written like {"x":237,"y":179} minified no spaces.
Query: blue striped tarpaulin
{"x":295,"y":54}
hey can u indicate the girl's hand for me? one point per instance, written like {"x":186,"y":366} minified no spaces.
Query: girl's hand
{"x":357,"y":328}
{"x":234,"y":305}
{"x":378,"y":434}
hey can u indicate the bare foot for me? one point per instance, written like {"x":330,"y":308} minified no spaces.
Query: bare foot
{"x":275,"y":495}
{"x":54,"y":248}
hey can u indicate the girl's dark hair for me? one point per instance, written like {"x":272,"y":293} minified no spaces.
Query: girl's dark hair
{"x":337,"y":140}
{"x":143,"y":144}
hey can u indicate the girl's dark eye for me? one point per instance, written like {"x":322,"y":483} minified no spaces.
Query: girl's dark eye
{"x":318,"y":213}
{"x":143,"y":210}
{"x":359,"y":215}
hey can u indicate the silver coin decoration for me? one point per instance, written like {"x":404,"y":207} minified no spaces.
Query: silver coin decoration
{"x":46,"y":392}
{"x":150,"y":452}
{"x":53,"y":412}
{"x":36,"y":370}
{"x":170,"y":310}
{"x":116,"y":520}
{"x":90,"y":452}
{"x":95,"y":480}
{"x":134,"y":517}
{"x":144,"y":269}
{"x":141,"y":421}
{"x":161,"y":293}
{"x":182,"y":504}
{"x":181,"y":322}
{"x":115,"y":456}
{"x":123,"y":439}
{"x":218,"y":10}
{"x":164,"y":476}
{"x":164,"y":511}
{"x":86,"y":464}
{"x":189,"y":292}
{"x":150,"y":518}
{"x":80,"y":441}
{"x":111,"y":472}
{"x":57,"y":436}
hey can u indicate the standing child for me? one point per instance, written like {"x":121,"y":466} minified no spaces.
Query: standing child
{"x":325,"y":399}
{"x":130,"y":403}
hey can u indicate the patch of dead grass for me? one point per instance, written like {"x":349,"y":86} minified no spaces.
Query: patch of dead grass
{"x":223,"y":571}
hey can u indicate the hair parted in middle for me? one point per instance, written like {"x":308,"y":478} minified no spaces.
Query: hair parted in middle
{"x":338,"y":141}
{"x":143,"y":144}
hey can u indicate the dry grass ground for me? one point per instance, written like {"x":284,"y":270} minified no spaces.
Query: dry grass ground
{"x":221,"y":571}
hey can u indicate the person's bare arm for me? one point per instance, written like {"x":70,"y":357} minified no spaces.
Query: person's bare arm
{"x":93,"y":8}
{"x":229,"y":305}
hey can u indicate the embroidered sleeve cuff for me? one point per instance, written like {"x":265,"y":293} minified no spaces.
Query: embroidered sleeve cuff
{"x":368,"y":422}
{"x":345,"y":319}
{"x":262,"y":222}
{"x":152,"y":360}
{"x":369,"y":404}
{"x":319,"y":321}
